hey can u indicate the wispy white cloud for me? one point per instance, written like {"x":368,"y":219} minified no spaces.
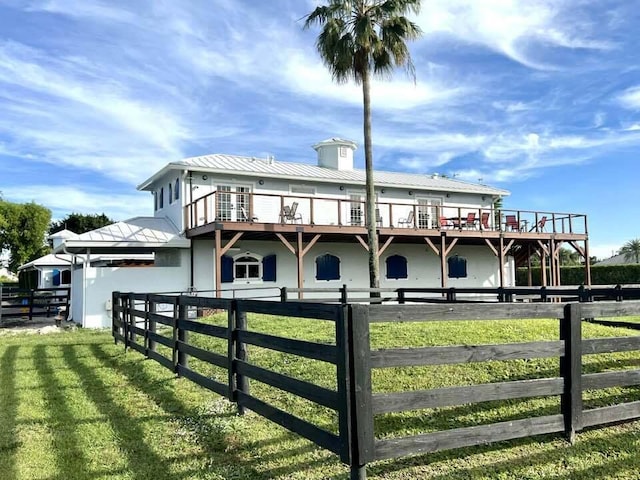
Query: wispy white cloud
{"x":630,"y":98}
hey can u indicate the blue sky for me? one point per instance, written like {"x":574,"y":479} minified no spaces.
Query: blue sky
{"x":540,"y":97}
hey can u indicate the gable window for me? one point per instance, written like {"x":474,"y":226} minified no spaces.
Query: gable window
{"x":161,"y":199}
{"x":327,"y":267}
{"x":303,"y":189}
{"x":170,"y":193}
{"x":457,"y":267}
{"x":176,"y":190}
{"x":396,"y":267}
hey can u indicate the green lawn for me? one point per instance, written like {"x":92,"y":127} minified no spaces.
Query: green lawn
{"x":74,"y":406}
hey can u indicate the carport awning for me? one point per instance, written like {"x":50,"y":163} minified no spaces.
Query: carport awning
{"x":136,"y":235}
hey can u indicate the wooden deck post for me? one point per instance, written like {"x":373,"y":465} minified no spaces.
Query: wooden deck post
{"x":501,"y":259}
{"x":300,"y":258}
{"x":218,"y":255}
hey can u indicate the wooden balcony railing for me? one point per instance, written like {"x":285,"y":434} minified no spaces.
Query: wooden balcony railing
{"x":222,"y":206}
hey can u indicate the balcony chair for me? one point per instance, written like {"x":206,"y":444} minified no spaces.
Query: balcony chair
{"x":539,"y":227}
{"x":245,"y":217}
{"x":292,"y":215}
{"x":471,"y":221}
{"x":444,"y":222}
{"x":408,"y":221}
{"x":511,"y":223}
{"x":484,"y":222}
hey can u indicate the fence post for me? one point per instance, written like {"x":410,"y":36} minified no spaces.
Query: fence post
{"x":241,"y":354}
{"x":500,"y":295}
{"x":343,"y":294}
{"x":115,"y":299}
{"x":181,"y":336}
{"x":174,"y":335}
{"x":284,"y":296}
{"x":152,"y":325}
{"x":571,"y":369}
{"x":360,"y":396}
{"x":231,"y":338}
{"x":543,"y":294}
{"x":31,"y":299}
{"x":451,"y":295}
{"x":619,"y":296}
{"x":132,"y":318}
{"x":401,"y":299}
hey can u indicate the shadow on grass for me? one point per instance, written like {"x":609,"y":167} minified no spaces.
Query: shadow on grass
{"x":161,"y":392}
{"x":141,"y":460}
{"x":563,"y":458}
{"x":68,"y":456}
{"x":8,"y":412}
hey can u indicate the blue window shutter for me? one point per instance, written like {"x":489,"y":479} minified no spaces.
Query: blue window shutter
{"x":176,"y":190}
{"x":457,"y":267}
{"x":227,"y":269}
{"x":56,"y":277}
{"x":269,"y":268}
{"x":327,"y":267}
{"x":396,"y":267}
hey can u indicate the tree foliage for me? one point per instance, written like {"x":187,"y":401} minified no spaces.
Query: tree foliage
{"x":80,"y":223}
{"x":359,"y":39}
{"x":631,"y":251}
{"x":23,"y":227}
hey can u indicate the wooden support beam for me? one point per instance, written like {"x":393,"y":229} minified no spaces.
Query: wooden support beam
{"x":501,"y":260}
{"x":544,"y":248}
{"x":362,"y":242}
{"x":506,"y":249}
{"x":450,"y":247}
{"x":443,"y":263}
{"x":386,"y":244}
{"x":300,"y":257}
{"x":490,"y":245}
{"x":286,"y":243}
{"x":577,"y":247}
{"x":433,"y":247}
{"x":310,"y":244}
{"x":587,"y":264}
{"x":231,"y":243}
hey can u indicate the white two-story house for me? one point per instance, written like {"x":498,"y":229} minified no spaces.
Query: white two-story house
{"x":234,"y":226}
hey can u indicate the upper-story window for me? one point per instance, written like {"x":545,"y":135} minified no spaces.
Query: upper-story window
{"x":155,"y":201}
{"x":170,"y":193}
{"x":176,"y":190}
{"x":161,"y":199}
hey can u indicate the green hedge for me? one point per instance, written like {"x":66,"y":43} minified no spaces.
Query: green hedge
{"x":600,"y":275}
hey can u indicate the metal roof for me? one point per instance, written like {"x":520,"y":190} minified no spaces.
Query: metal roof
{"x":138,"y":232}
{"x":239,"y":165}
{"x":64,"y":260}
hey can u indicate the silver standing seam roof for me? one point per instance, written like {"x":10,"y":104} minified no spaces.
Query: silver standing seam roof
{"x":239,"y":165}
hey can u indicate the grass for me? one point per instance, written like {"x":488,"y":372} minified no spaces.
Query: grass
{"x":74,"y":406}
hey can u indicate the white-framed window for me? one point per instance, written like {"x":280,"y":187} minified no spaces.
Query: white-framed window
{"x":247,"y":267}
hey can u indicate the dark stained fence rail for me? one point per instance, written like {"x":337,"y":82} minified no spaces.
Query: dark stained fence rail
{"x":24,"y":304}
{"x":135,"y":317}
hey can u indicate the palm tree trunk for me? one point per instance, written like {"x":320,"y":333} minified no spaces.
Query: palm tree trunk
{"x":374,"y":266}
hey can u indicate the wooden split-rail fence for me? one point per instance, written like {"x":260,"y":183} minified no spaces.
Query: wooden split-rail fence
{"x":136,"y":318}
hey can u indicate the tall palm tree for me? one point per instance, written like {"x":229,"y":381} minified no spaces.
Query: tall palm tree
{"x":360,"y":39}
{"x":631,"y":250}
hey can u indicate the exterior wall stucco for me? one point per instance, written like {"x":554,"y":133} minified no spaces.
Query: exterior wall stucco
{"x":423,"y":266}
{"x":102,"y":281}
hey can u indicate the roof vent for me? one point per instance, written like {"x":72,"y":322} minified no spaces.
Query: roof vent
{"x":271,"y":159}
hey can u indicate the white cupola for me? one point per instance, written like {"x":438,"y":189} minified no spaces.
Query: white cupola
{"x":335,"y":153}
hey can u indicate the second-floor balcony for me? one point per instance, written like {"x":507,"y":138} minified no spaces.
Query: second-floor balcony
{"x":232,"y":207}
